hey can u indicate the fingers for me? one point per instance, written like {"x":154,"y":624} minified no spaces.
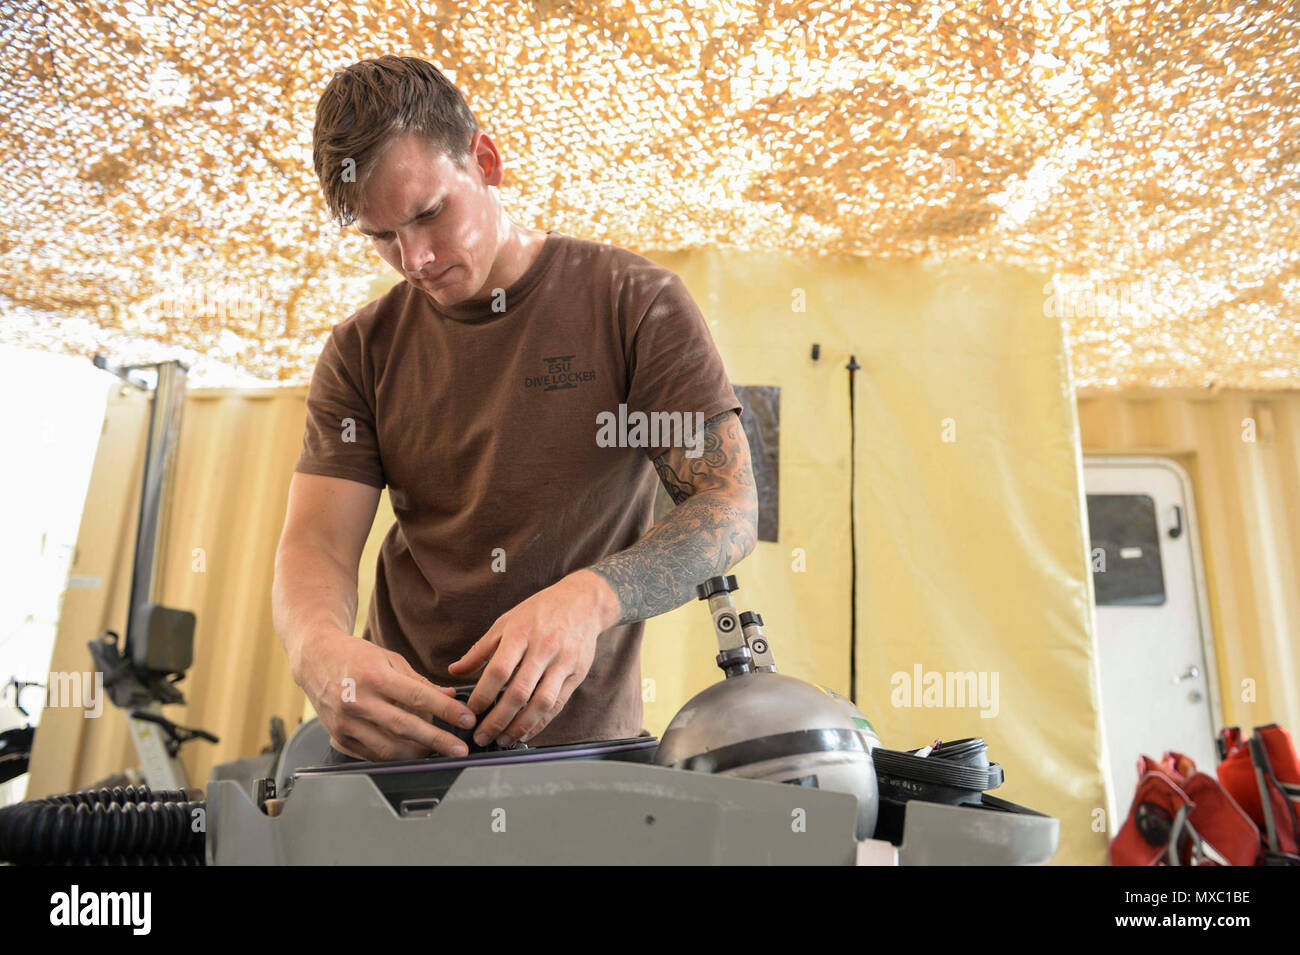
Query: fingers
{"x":548,"y":699}
{"x":518,"y":693}
{"x":400,"y":662}
{"x":414,"y":693}
{"x":362,"y":740}
{"x":478,"y":654}
{"x":498,"y":671}
{"x":572,"y":683}
{"x":405,"y":668}
{"x":396,"y":706}
{"x":391,"y":732}
{"x":346,"y":749}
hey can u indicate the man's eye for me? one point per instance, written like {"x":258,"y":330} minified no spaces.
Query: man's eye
{"x":387,"y":236}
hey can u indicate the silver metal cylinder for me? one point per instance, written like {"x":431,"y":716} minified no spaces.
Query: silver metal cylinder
{"x":774,"y":727}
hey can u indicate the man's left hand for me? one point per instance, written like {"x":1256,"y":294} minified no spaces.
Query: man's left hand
{"x":538,"y":651}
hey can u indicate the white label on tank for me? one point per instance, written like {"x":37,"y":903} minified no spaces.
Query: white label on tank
{"x":1130,"y":553}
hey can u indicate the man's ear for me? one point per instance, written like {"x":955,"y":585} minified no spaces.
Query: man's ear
{"x":484,"y":156}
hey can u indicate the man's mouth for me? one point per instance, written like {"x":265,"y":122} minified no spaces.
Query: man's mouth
{"x":439,"y":277}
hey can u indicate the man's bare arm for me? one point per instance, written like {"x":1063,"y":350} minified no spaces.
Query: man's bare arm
{"x":713,"y":526}
{"x":371,"y":700}
{"x":325,"y":529}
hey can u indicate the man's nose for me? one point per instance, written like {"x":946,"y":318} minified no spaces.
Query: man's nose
{"x":416,"y":256}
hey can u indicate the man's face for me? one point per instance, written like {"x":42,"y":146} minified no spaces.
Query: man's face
{"x":432,"y":220}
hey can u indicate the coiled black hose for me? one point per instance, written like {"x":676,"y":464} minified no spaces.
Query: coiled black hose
{"x":117,"y":794}
{"x":175,"y":859}
{"x":120,"y":826}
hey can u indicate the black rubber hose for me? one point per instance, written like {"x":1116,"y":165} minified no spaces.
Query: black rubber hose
{"x":175,"y":859}
{"x":117,"y":794}
{"x":80,"y":827}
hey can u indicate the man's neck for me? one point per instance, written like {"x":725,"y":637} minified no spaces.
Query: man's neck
{"x":514,"y":257}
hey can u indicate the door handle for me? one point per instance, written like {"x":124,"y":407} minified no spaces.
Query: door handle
{"x":1191,"y":673}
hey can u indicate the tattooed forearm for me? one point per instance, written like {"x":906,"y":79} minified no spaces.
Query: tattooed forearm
{"x":677,"y":489}
{"x":699,"y":539}
{"x":713,"y":526}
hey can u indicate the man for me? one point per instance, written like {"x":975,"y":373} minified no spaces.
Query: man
{"x":523,"y":557}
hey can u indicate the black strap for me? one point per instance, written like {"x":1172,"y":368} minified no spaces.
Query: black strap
{"x":778,"y":745}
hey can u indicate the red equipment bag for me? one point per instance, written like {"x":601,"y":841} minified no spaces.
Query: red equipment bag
{"x":1181,"y":816}
{"x":1263,"y":775}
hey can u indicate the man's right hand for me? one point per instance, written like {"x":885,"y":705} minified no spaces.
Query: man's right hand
{"x":374,"y":704}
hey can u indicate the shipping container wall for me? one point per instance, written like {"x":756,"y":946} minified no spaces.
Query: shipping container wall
{"x":1242,"y":452}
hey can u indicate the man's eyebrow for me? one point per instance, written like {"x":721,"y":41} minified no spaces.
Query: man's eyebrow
{"x":431,"y":204}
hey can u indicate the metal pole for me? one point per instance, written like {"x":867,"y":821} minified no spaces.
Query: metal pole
{"x":155,"y":499}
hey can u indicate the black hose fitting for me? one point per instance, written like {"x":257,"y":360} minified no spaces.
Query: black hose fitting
{"x":103,"y":827}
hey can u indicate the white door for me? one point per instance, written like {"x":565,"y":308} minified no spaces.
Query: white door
{"x":1158,"y":686}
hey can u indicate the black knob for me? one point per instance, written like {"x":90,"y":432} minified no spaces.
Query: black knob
{"x":716,"y":585}
{"x":749,"y":617}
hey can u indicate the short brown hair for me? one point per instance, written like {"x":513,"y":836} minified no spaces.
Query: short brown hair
{"x":366,"y":106}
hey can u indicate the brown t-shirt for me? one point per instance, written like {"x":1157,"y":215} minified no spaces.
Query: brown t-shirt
{"x":483,"y":425}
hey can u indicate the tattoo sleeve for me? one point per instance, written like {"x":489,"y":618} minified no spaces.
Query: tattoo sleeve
{"x":713,"y":526}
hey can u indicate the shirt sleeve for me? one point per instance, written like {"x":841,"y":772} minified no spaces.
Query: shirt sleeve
{"x":675,"y":366}
{"x":340,"y":437}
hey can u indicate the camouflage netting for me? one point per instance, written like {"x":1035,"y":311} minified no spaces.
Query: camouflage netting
{"x":160,"y":196}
